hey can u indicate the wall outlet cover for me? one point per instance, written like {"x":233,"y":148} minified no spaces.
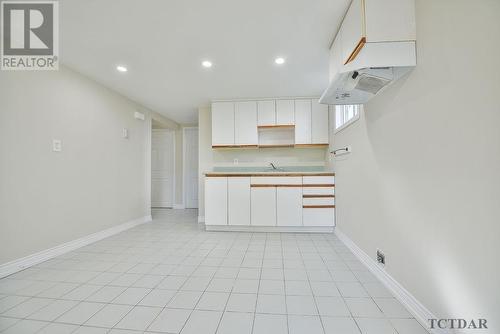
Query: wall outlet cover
{"x":56,"y":145}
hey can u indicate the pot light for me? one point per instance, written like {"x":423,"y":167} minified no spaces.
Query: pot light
{"x":121,"y":68}
{"x":206,"y":63}
{"x":279,"y":60}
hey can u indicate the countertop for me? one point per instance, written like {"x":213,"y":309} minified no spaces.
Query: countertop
{"x":268,"y":171}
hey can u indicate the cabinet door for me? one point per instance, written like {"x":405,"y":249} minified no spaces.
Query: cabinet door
{"x":238,"y":191}
{"x":302,"y":121}
{"x":319,"y":216}
{"x":245,"y":123}
{"x":319,"y":123}
{"x":353,"y":29}
{"x":285,"y":112}
{"x":263,"y":206}
{"x":222,"y":123}
{"x":289,"y":206}
{"x":216,"y":201}
{"x":266,"y":112}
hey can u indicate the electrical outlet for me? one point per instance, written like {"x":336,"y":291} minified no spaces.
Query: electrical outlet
{"x":235,"y":161}
{"x":380,"y":257}
{"x":56,"y":145}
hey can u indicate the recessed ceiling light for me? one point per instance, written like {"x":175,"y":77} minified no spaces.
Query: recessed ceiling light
{"x":121,"y":68}
{"x":206,"y":63}
{"x":279,"y":60}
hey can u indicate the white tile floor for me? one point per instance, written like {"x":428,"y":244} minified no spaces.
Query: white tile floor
{"x":170,"y":276}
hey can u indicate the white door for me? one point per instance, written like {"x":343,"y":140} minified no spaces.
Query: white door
{"x":162,"y":168}
{"x":190,"y":164}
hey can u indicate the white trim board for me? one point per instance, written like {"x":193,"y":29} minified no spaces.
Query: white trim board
{"x":417,"y":309}
{"x":201,"y":219}
{"x":12,"y":267}
{"x":178,"y":206}
{"x":293,"y":229}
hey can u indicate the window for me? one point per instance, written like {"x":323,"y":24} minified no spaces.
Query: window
{"x":345,"y":115}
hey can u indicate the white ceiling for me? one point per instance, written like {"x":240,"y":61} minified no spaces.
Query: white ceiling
{"x":162,"y":42}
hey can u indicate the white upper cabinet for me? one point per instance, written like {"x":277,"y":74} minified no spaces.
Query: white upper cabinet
{"x":373,"y":21}
{"x":223,"y":124}
{"x":236,"y":123}
{"x":353,"y":30}
{"x":319,"y":126}
{"x":245,"y":123}
{"x":390,"y":20}
{"x":266,"y":111}
{"x":303,"y":122}
{"x":285,"y":112}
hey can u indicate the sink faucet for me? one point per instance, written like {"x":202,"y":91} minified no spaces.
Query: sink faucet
{"x":273,"y":166}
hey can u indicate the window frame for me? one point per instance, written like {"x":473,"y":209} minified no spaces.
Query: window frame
{"x":349,"y":122}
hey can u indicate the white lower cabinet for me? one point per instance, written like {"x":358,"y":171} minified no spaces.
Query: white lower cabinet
{"x":238,"y":198}
{"x":289,"y":206}
{"x":216,"y":201}
{"x":319,"y":216}
{"x":282,"y":202}
{"x":263,"y":206}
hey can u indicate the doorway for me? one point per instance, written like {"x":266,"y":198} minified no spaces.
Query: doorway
{"x":162,"y":168}
{"x":190,"y":166}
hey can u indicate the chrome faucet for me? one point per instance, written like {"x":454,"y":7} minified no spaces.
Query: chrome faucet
{"x":272,"y":165}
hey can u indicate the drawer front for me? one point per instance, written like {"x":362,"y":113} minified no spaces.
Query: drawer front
{"x":318,"y":180}
{"x":276,"y":180}
{"x":318,"y":201}
{"x":319,"y":217}
{"x":318,"y":190}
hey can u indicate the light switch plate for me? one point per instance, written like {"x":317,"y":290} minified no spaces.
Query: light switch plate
{"x":125,"y":133}
{"x":56,"y":145}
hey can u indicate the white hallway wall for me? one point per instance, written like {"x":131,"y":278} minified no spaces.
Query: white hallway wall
{"x":423,"y":180}
{"x":99,"y":180}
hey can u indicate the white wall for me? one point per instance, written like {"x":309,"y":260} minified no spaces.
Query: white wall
{"x":210,"y":158}
{"x":423,"y":181}
{"x":99,"y":179}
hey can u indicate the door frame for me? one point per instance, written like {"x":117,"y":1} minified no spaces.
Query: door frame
{"x":151,"y":166}
{"x":184,"y":182}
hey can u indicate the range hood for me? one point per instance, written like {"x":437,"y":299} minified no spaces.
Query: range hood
{"x":358,"y":86}
{"x":374,"y":47}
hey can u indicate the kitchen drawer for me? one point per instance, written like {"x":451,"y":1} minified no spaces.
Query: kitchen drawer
{"x":318,"y":180}
{"x":319,"y":217}
{"x":276,"y":180}
{"x":318,"y":201}
{"x":318,"y":190}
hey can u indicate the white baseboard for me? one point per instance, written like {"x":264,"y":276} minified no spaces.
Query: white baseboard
{"x":201,"y":219}
{"x":293,"y":229}
{"x":419,"y":311}
{"x":12,"y":267}
{"x":179,"y":206}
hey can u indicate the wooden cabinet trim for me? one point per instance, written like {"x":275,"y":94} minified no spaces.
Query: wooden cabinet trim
{"x":356,"y":50}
